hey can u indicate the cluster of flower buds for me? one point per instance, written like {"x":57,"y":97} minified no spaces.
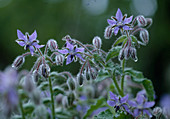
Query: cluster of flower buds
{"x":128,"y":51}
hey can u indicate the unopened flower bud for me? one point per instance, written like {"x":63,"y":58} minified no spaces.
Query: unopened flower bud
{"x":29,"y":84}
{"x":149,"y":22}
{"x":66,"y":38}
{"x":93,"y":73}
{"x":18,"y":62}
{"x":52,"y":44}
{"x":141,"y":20}
{"x":59,"y":59}
{"x":157,"y":111}
{"x":44,"y":70}
{"x":87,"y":75}
{"x":121,"y":55}
{"x":71,"y":84}
{"x":144,"y":35}
{"x":108,"y":32}
{"x":97,"y":42}
{"x":80,"y":79}
{"x":36,"y":75}
{"x":36,"y":97}
{"x":133,"y":54}
{"x":71,"y":98}
{"x":41,"y":112}
{"x":127,"y":52}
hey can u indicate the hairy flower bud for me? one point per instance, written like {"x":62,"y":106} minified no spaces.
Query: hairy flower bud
{"x":93,"y":73}
{"x":44,"y":70}
{"x":71,"y":98}
{"x":127,"y":52}
{"x":121,"y":55}
{"x":80,"y":79}
{"x":52,"y":44}
{"x":133,"y":54}
{"x":36,"y":75}
{"x":141,"y":20}
{"x":29,"y":84}
{"x":71,"y":84}
{"x":87,"y":75}
{"x":157,"y":111}
{"x":149,"y":22}
{"x":108,"y":32}
{"x":144,"y":35}
{"x":18,"y":62}
{"x":59,"y":59}
{"x":97,"y":42}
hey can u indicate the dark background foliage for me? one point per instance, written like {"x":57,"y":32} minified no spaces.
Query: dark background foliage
{"x":82,"y":20}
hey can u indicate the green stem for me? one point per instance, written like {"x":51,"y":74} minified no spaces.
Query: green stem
{"x":117,"y":86}
{"x":22,"y":110}
{"x":52,"y":98}
{"x":123,"y":76}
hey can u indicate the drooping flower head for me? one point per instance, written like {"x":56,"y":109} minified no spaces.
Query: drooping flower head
{"x":72,"y":52}
{"x":118,"y":102}
{"x":141,"y":106}
{"x":120,"y":22}
{"x":28,"y":41}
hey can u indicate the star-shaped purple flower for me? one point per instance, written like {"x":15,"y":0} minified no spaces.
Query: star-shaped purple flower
{"x":72,"y":52}
{"x":118,"y":102}
{"x":28,"y":41}
{"x":141,"y":106}
{"x":120,"y":22}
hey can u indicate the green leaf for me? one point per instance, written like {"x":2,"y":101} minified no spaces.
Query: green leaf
{"x":104,"y":115}
{"x":102,"y":75}
{"x":149,"y":89}
{"x":120,"y":40}
{"x":57,"y":90}
{"x":138,"y":77}
{"x":114,"y":52}
{"x":44,"y":85}
{"x":28,"y":108}
{"x":23,"y":94}
{"x":46,"y":100}
{"x":124,"y":116}
{"x":98,"y":59}
{"x":98,"y":104}
{"x":134,"y":39}
{"x":58,"y":78}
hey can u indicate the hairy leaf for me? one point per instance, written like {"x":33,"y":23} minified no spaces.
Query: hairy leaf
{"x":114,"y":52}
{"x":98,"y":104}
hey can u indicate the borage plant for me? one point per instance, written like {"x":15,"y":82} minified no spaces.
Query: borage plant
{"x":102,"y":88}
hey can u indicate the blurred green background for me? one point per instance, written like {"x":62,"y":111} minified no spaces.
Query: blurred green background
{"x":82,"y":20}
